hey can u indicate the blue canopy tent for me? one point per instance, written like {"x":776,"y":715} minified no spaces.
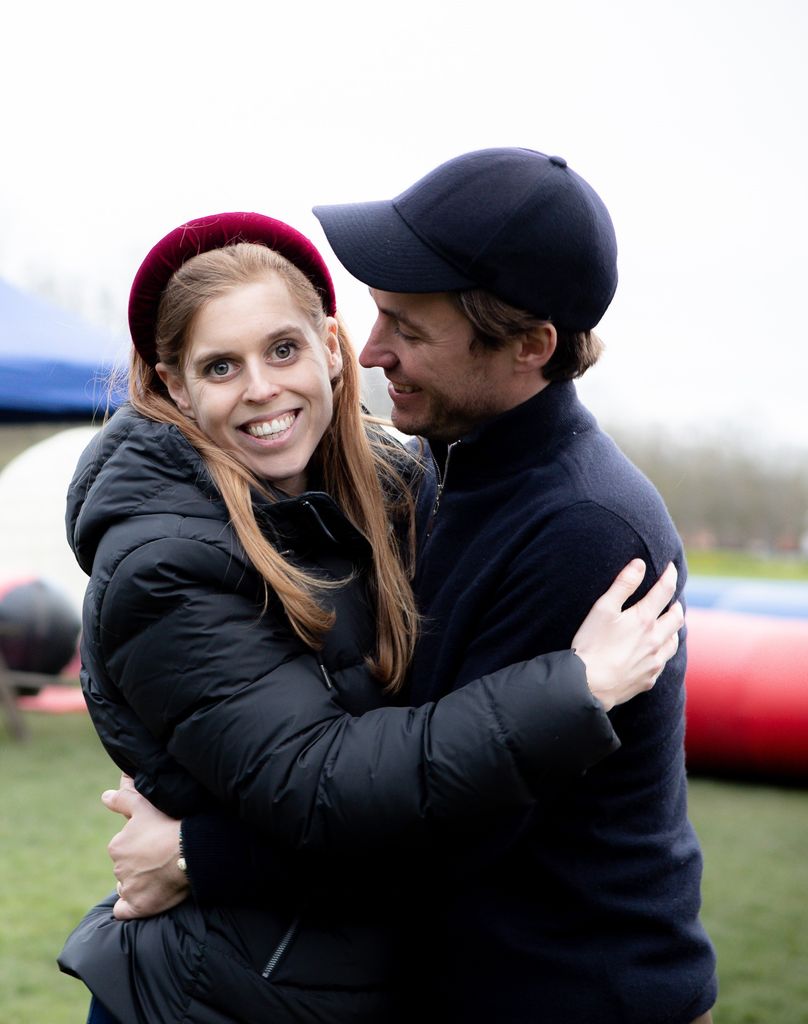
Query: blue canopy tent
{"x":53,"y":366}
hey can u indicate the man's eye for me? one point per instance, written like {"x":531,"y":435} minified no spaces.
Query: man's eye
{"x":404,"y":337}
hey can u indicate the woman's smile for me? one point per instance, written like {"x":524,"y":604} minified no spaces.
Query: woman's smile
{"x":271,"y":429}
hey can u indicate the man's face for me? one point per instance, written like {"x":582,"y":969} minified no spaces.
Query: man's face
{"x":440,"y":386}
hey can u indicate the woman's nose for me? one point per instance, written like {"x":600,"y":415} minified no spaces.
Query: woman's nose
{"x":260,"y":384}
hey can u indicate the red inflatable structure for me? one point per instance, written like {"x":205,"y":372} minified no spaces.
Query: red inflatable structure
{"x":747,"y":694}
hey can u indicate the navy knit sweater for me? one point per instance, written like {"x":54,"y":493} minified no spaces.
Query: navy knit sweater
{"x":588,"y":912}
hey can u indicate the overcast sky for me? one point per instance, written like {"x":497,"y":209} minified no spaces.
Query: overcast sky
{"x":689,"y":118}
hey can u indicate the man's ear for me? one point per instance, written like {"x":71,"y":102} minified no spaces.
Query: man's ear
{"x":535,"y":348}
{"x":333,"y":352}
{"x":175,"y":384}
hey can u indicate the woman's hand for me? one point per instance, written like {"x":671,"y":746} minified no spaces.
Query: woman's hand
{"x":625,"y":651}
{"x":144,"y":854}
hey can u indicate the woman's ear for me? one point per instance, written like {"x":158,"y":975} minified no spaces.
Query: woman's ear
{"x":333,"y":350}
{"x":175,"y":385}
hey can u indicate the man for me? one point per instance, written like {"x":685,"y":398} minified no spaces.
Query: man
{"x":489,"y":275}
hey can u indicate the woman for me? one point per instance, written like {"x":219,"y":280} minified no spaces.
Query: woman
{"x":247,"y":617}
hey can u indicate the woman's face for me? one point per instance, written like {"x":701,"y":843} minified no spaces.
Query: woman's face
{"x":256,"y":377}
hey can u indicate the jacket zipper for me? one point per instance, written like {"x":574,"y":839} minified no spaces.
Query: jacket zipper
{"x":441,"y":484}
{"x":272,"y":963}
{"x":325,"y":675}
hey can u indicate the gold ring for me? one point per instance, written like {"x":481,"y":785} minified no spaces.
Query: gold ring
{"x":119,"y":887}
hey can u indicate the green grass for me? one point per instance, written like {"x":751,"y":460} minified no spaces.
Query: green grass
{"x":739,"y":563}
{"x":756,"y":898}
{"x":53,"y":862}
{"x":53,"y":865}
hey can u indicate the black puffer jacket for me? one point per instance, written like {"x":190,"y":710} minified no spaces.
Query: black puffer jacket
{"x":206,"y":702}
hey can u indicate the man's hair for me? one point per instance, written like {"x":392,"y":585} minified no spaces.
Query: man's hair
{"x":495,"y":322}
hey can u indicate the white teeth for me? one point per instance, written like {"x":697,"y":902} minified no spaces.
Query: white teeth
{"x":276,"y":426}
{"x":404,"y":389}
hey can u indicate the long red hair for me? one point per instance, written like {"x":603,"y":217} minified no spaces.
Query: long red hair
{"x":361,"y":469}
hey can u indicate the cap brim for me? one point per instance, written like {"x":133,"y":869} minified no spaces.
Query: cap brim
{"x":375,"y":244}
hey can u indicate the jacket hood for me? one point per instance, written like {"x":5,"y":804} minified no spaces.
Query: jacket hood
{"x":134,"y":466}
{"x":138,"y":467}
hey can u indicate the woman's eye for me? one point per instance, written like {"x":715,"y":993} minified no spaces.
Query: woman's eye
{"x":284,"y":350}
{"x":220,"y":368}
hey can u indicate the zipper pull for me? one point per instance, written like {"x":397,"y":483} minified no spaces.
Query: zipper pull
{"x":324,"y":673}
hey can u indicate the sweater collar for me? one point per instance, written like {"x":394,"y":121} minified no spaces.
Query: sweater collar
{"x":529,"y":433}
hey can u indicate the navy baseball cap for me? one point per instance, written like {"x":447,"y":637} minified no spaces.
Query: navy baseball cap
{"x":520,"y":224}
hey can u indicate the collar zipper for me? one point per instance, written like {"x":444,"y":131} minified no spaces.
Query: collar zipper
{"x":441,"y":484}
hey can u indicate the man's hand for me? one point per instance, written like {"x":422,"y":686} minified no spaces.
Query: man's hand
{"x":625,"y":651}
{"x":144,"y":854}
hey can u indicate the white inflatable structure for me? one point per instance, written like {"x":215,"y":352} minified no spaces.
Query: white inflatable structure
{"x":33,"y":487}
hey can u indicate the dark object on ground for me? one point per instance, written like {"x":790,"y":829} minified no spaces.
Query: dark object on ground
{"x":39,"y":628}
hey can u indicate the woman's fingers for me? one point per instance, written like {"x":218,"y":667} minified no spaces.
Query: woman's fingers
{"x":669,"y":623}
{"x":659,"y":596}
{"x":629,"y":579}
{"x":626,"y":583}
{"x":626,"y":651}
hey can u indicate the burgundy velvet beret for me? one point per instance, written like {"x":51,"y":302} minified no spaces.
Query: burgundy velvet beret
{"x":203,"y":235}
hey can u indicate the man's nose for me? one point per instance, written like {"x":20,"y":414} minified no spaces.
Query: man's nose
{"x":378,"y":351}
